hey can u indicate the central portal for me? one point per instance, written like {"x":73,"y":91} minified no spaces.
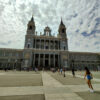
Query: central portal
{"x":45,"y":60}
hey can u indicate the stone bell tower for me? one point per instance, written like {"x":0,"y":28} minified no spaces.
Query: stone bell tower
{"x":63,"y":44}
{"x":63,"y":35}
{"x":62,"y":30}
{"x":30,"y":32}
{"x":31,"y":27}
{"x":29,"y":43}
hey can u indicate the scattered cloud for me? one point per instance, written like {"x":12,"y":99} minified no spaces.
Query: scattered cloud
{"x":81,"y":17}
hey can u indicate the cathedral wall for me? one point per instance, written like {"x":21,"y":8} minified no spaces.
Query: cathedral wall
{"x":10,"y":58}
{"x":82,"y":60}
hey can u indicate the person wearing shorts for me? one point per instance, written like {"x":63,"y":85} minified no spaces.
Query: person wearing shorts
{"x":88,"y":77}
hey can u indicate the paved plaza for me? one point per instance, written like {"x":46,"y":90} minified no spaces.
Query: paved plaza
{"x":47,"y":86}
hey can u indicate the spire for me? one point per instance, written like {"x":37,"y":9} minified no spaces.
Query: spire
{"x":32,"y":19}
{"x":61,"y":22}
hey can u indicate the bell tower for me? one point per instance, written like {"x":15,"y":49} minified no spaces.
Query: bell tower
{"x":30,"y":31}
{"x":31,"y":27}
{"x":62,"y":34}
{"x":62,"y":30}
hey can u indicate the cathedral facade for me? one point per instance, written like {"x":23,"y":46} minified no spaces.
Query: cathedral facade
{"x":47,"y":51}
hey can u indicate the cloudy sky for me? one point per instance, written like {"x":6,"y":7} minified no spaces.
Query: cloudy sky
{"x":81,"y":17}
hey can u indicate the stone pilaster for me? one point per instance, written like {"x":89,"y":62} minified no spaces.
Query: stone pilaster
{"x":39,"y":60}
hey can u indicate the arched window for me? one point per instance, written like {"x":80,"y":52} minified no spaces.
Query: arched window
{"x":63,"y":30}
{"x":28,"y":46}
{"x":30,"y":27}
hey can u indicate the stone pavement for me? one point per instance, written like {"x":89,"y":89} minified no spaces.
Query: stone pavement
{"x":52,"y":89}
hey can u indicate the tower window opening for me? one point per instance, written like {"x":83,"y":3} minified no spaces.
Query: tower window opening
{"x":28,"y":46}
{"x":63,"y":31}
{"x":30,"y":27}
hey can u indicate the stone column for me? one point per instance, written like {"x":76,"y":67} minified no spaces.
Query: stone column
{"x":35,"y":43}
{"x":39,"y":60}
{"x":40,"y":44}
{"x":58,"y":61}
{"x":44,"y":43}
{"x":44,"y":60}
{"x":34,"y":61}
{"x":49,"y":60}
{"x":54,"y":45}
{"x":54,"y":59}
{"x":49,"y":44}
{"x":58,"y":45}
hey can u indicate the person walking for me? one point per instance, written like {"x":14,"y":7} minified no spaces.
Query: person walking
{"x":61,"y":70}
{"x":73,"y":72}
{"x":88,"y":76}
{"x":58,"y":70}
